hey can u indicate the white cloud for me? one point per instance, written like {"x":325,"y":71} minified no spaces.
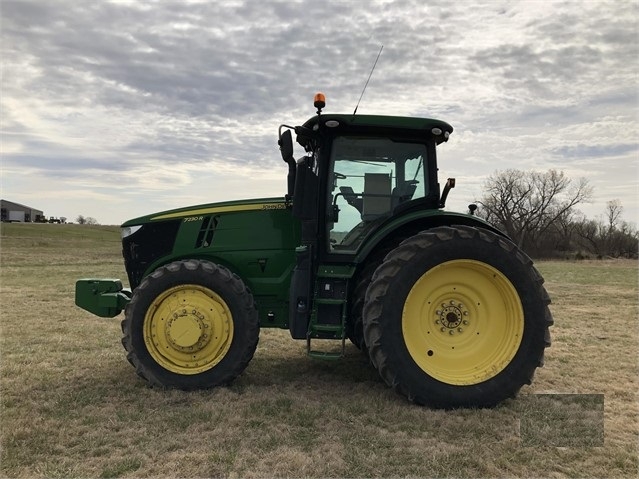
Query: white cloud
{"x":147,"y":105}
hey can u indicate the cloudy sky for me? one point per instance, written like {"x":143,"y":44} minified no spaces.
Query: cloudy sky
{"x":115,"y":109}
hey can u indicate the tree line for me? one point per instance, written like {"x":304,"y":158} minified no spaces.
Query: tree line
{"x":539,"y":213}
{"x":86,"y":220}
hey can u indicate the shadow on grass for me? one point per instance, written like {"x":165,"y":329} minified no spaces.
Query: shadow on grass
{"x":113,"y":380}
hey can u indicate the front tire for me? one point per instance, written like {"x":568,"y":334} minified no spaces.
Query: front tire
{"x":190,"y":324}
{"x":457,"y":317}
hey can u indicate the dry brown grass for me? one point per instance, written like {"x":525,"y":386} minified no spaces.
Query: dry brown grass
{"x":73,"y":407}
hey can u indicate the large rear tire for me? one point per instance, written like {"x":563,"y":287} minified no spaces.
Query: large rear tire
{"x":355,"y":325}
{"x":457,"y":317}
{"x":190,"y":324}
{"x":363,"y":278}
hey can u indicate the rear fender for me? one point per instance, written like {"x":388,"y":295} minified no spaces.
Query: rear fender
{"x":416,"y":221}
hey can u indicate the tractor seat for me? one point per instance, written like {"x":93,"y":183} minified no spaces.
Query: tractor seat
{"x":351,"y":198}
{"x":377,"y":196}
{"x":403,"y":193}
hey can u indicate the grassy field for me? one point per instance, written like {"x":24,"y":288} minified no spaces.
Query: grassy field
{"x":72,"y":405}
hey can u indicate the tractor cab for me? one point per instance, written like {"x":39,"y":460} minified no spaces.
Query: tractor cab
{"x":359,"y":171}
{"x":360,"y":175}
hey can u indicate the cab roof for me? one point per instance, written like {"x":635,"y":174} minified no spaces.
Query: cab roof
{"x":404,"y":125}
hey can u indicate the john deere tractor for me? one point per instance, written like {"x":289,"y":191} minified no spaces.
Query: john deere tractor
{"x":449,"y":310}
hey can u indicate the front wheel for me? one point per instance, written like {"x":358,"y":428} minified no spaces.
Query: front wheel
{"x":457,"y":317}
{"x":190,"y":324}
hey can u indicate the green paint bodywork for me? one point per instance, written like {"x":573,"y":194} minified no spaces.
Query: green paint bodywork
{"x":255,"y":239}
{"x":256,"y":244}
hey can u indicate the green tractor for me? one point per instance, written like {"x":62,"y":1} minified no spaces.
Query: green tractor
{"x":450,"y":312}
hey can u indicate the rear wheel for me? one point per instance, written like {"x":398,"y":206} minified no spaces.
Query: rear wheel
{"x":354,"y":327}
{"x":457,"y":317}
{"x":190,"y":324}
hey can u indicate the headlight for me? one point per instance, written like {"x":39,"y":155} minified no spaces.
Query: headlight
{"x":129,"y":230}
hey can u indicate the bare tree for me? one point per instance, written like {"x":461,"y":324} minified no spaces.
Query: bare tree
{"x":526,"y":204}
{"x":618,"y":237}
{"x":613,"y":214}
{"x":628,"y":243}
{"x":563,"y":230}
{"x":608,"y":236}
{"x":588,"y":234}
{"x":88,"y":220}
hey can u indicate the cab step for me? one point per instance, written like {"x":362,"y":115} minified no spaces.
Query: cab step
{"x":328,"y":316}
{"x":335,"y":353}
{"x":326,"y":355}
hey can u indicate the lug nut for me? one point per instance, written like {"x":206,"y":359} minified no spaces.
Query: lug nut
{"x":465,"y":321}
{"x":451,"y":332}
{"x":459,"y":329}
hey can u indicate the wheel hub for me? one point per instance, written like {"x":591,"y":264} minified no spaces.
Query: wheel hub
{"x":452,"y":316}
{"x":186,"y":330}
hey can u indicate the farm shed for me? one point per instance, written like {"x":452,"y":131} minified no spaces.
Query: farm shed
{"x":11,"y":212}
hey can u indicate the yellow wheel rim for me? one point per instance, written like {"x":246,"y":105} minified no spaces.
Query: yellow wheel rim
{"x":188,"y":329}
{"x":463,"y":322}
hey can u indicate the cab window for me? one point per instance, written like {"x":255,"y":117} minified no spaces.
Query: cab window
{"x":370,"y":178}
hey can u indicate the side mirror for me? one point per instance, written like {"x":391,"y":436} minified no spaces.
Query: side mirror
{"x":286,"y":145}
{"x":450,"y":184}
{"x":286,"y":148}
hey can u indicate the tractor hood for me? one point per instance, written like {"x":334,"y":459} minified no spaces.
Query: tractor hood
{"x":192,"y":213}
{"x":253,"y":238}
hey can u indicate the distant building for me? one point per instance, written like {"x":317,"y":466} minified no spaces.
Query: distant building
{"x":15,"y":212}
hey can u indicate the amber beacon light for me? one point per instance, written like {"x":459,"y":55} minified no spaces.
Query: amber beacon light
{"x":319,"y":102}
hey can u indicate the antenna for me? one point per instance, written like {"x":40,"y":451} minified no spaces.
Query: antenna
{"x":369,"y":77}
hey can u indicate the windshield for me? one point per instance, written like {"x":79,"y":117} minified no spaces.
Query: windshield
{"x":371,"y":176}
